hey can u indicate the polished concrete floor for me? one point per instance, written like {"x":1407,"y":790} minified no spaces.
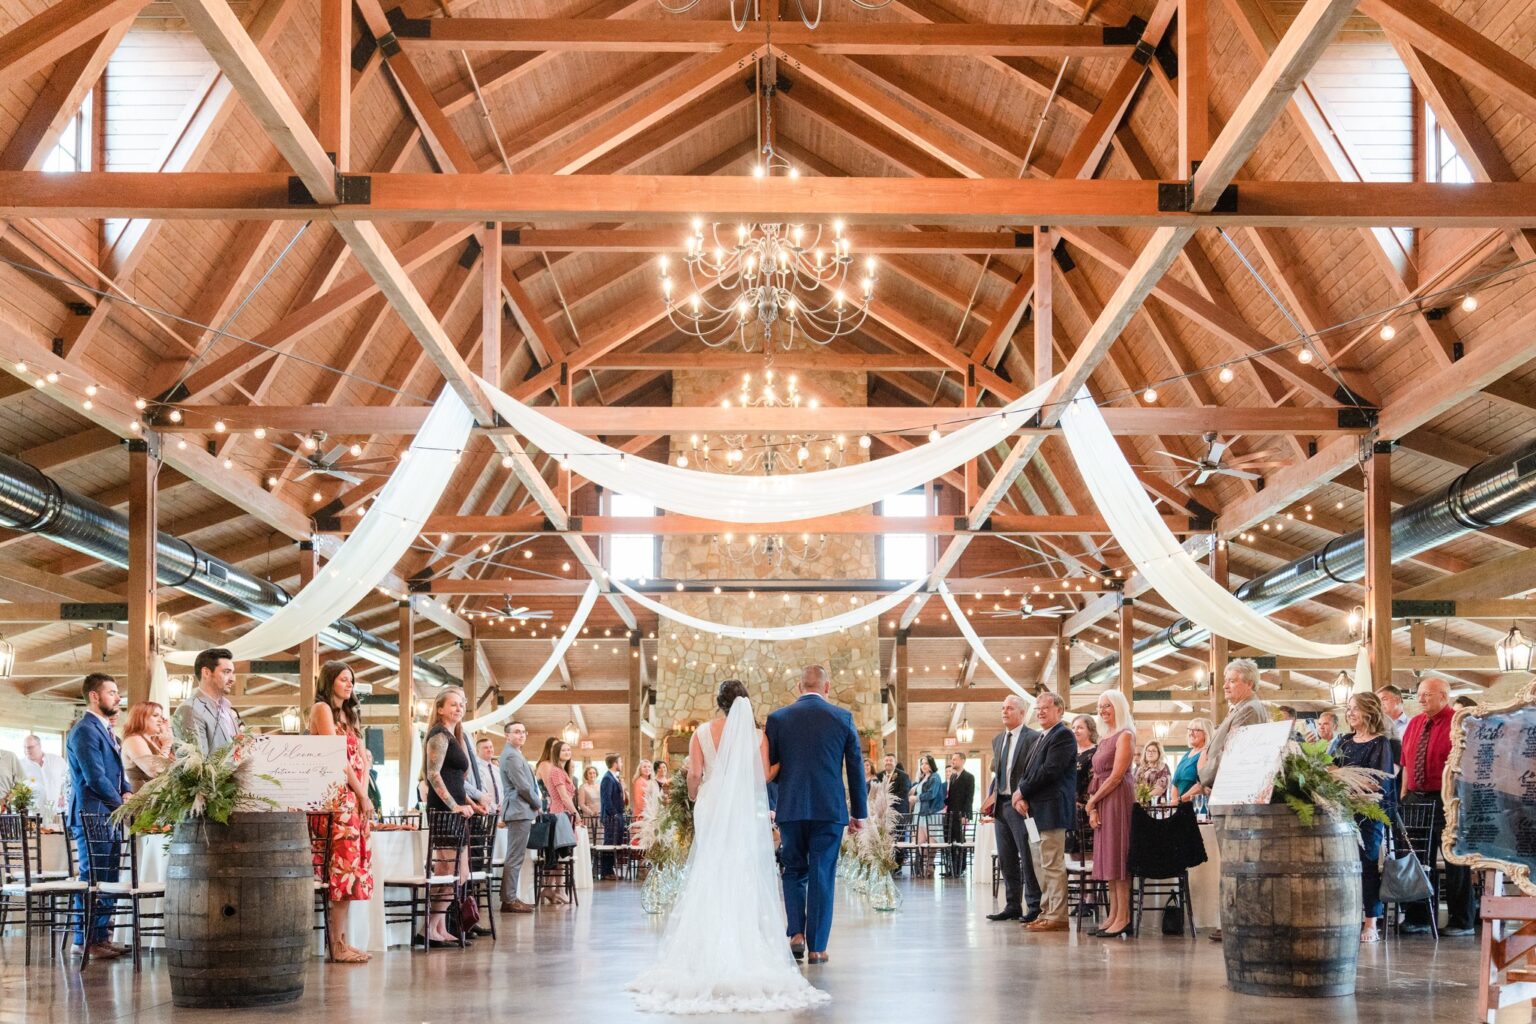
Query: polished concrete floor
{"x":937,"y":960}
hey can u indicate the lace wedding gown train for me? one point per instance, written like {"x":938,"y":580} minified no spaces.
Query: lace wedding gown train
{"x":724,"y":949}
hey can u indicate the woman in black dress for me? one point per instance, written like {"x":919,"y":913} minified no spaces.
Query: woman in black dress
{"x":1369,"y":745}
{"x":447,"y":765}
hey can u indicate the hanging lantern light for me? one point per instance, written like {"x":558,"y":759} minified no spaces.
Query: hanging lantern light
{"x":965,"y":734}
{"x":1341,"y":686}
{"x":290,"y":722}
{"x":570,"y":733}
{"x":179,"y":688}
{"x":1160,"y":730}
{"x":7,"y":659}
{"x":1514,"y":652}
{"x":423,"y":708}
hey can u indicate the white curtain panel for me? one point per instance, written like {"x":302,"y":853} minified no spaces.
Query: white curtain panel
{"x":572,"y":631}
{"x":1157,"y":554}
{"x":980,"y":647}
{"x":393,"y":522}
{"x":800,"y":631}
{"x":763,"y":499}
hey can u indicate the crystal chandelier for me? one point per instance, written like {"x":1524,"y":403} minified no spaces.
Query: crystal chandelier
{"x":768,"y":283}
{"x":767,"y":454}
{"x":765,"y":553}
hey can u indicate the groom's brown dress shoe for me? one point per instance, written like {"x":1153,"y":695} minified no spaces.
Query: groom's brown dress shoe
{"x":816,"y":958}
{"x":797,"y":947}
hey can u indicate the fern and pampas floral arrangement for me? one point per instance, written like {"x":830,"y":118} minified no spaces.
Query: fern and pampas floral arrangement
{"x":195,"y":785}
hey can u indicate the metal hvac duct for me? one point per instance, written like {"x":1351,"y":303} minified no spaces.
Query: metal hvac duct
{"x":32,"y":502}
{"x":1488,"y":494}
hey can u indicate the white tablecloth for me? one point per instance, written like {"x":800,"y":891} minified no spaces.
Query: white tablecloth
{"x":981,"y":861}
{"x":1205,"y":882}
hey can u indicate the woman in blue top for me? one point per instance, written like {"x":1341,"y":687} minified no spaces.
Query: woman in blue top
{"x":1186,"y":777}
{"x":930,"y":787}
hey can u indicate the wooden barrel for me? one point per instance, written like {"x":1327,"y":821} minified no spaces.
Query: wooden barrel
{"x":1290,"y":902}
{"x":239,"y":906}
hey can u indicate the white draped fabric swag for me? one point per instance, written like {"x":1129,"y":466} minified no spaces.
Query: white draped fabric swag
{"x":763,"y":499}
{"x":799,"y":631}
{"x":980,"y":647}
{"x":572,"y":631}
{"x":1157,"y":554}
{"x":392,"y":524}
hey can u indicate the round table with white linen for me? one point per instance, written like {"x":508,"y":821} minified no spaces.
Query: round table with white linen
{"x":1205,"y":881}
{"x":986,"y":845}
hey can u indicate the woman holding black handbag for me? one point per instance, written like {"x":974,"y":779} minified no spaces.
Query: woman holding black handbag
{"x":1369,"y":745}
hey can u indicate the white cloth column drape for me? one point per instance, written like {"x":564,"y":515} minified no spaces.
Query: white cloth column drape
{"x":1157,"y":554}
{"x":572,"y":631}
{"x":799,"y":631}
{"x":763,"y":499}
{"x":391,"y":525}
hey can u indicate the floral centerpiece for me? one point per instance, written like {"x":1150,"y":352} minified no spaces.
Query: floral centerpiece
{"x":1309,"y":781}
{"x":18,"y":799}
{"x":666,"y":836}
{"x":195,"y":785}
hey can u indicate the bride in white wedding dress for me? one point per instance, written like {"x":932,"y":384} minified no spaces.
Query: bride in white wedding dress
{"x":725,"y":949}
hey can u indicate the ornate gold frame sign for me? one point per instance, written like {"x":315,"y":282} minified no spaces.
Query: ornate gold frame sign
{"x":1490,"y":789}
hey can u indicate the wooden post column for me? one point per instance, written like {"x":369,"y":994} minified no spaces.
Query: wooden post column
{"x":972,"y":480}
{"x":1127,"y":639}
{"x":1378,"y":560}
{"x":407,"y":698}
{"x":309,"y":650}
{"x":469,"y":671}
{"x":632,"y":755}
{"x":143,"y":530}
{"x":900,"y":697}
{"x":1045,"y":242}
{"x":1218,"y":663}
{"x":490,"y":303}
{"x":1062,"y":683}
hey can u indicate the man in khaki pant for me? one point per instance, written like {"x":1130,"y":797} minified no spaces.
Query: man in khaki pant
{"x":1047,"y":792}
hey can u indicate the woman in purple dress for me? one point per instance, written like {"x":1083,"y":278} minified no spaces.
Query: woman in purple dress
{"x":1110,"y":798}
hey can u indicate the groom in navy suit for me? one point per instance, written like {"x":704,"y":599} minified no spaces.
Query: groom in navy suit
{"x":98,"y":787}
{"x":810,"y":743}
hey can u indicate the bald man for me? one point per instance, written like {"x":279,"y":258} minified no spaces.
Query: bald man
{"x":1426,"y":746}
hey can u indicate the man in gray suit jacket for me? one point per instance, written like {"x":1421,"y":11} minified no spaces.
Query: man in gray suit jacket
{"x":520,"y":804}
{"x":1010,"y":753}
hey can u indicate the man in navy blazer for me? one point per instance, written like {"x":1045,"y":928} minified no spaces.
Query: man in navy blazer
{"x":1046,"y":791}
{"x":810,"y":744}
{"x":611,"y":792}
{"x":98,"y":786}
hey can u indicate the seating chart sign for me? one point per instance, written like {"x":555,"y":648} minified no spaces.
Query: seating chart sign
{"x":1490,"y":789}
{"x":303,"y":773}
{"x":1249,"y":763}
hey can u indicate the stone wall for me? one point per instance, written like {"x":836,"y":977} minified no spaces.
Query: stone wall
{"x":691,"y":666}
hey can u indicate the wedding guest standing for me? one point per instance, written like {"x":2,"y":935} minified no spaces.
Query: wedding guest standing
{"x":1426,"y":746}
{"x":1186,"y":777}
{"x":447,"y":769}
{"x":959,"y":802}
{"x":1110,"y":799}
{"x":613,"y":810}
{"x":589,"y":795}
{"x":349,"y":875}
{"x":554,"y":771}
{"x":1369,"y":745}
{"x":1086,"y":732}
{"x":1240,"y":683}
{"x":662,"y":775}
{"x":1047,"y":792}
{"x":1397,"y":714}
{"x":1153,"y":773}
{"x":490,"y":776}
{"x":46,"y":773}
{"x":519,"y":807}
{"x":11,"y":772}
{"x":207,"y":719}
{"x":98,"y":786}
{"x":928,"y":794}
{"x":146,"y":743}
{"x":640,"y":789}
{"x":1010,"y":749}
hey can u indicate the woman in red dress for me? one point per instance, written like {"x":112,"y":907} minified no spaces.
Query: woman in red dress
{"x":349,"y":875}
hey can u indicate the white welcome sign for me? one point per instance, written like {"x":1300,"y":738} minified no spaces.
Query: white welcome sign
{"x":1249,"y":763}
{"x":303,"y":773}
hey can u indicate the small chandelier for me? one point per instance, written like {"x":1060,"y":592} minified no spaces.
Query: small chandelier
{"x":1341,"y":686}
{"x":1514,"y":652}
{"x":767,"y":454}
{"x":763,"y":553}
{"x":965,"y":734}
{"x":7,"y":659}
{"x":570,"y":733}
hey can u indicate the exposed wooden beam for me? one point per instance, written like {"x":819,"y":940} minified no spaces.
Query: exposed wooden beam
{"x":867,"y":241}
{"x":51,"y":35}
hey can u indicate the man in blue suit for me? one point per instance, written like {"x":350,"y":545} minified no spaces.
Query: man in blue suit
{"x":1046,"y":792}
{"x":612,"y":793}
{"x":810,"y":744}
{"x":98,"y":786}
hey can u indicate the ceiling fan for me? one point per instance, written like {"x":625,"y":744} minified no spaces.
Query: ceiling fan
{"x":1211,"y":464}
{"x":1027,"y":608}
{"x":340,"y":462}
{"x":521,"y":613}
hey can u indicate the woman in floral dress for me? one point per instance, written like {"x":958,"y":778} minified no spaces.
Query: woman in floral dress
{"x":350,"y":877}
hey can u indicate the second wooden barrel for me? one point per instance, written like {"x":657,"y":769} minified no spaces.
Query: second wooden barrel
{"x":239,"y":905}
{"x":1290,"y":902}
